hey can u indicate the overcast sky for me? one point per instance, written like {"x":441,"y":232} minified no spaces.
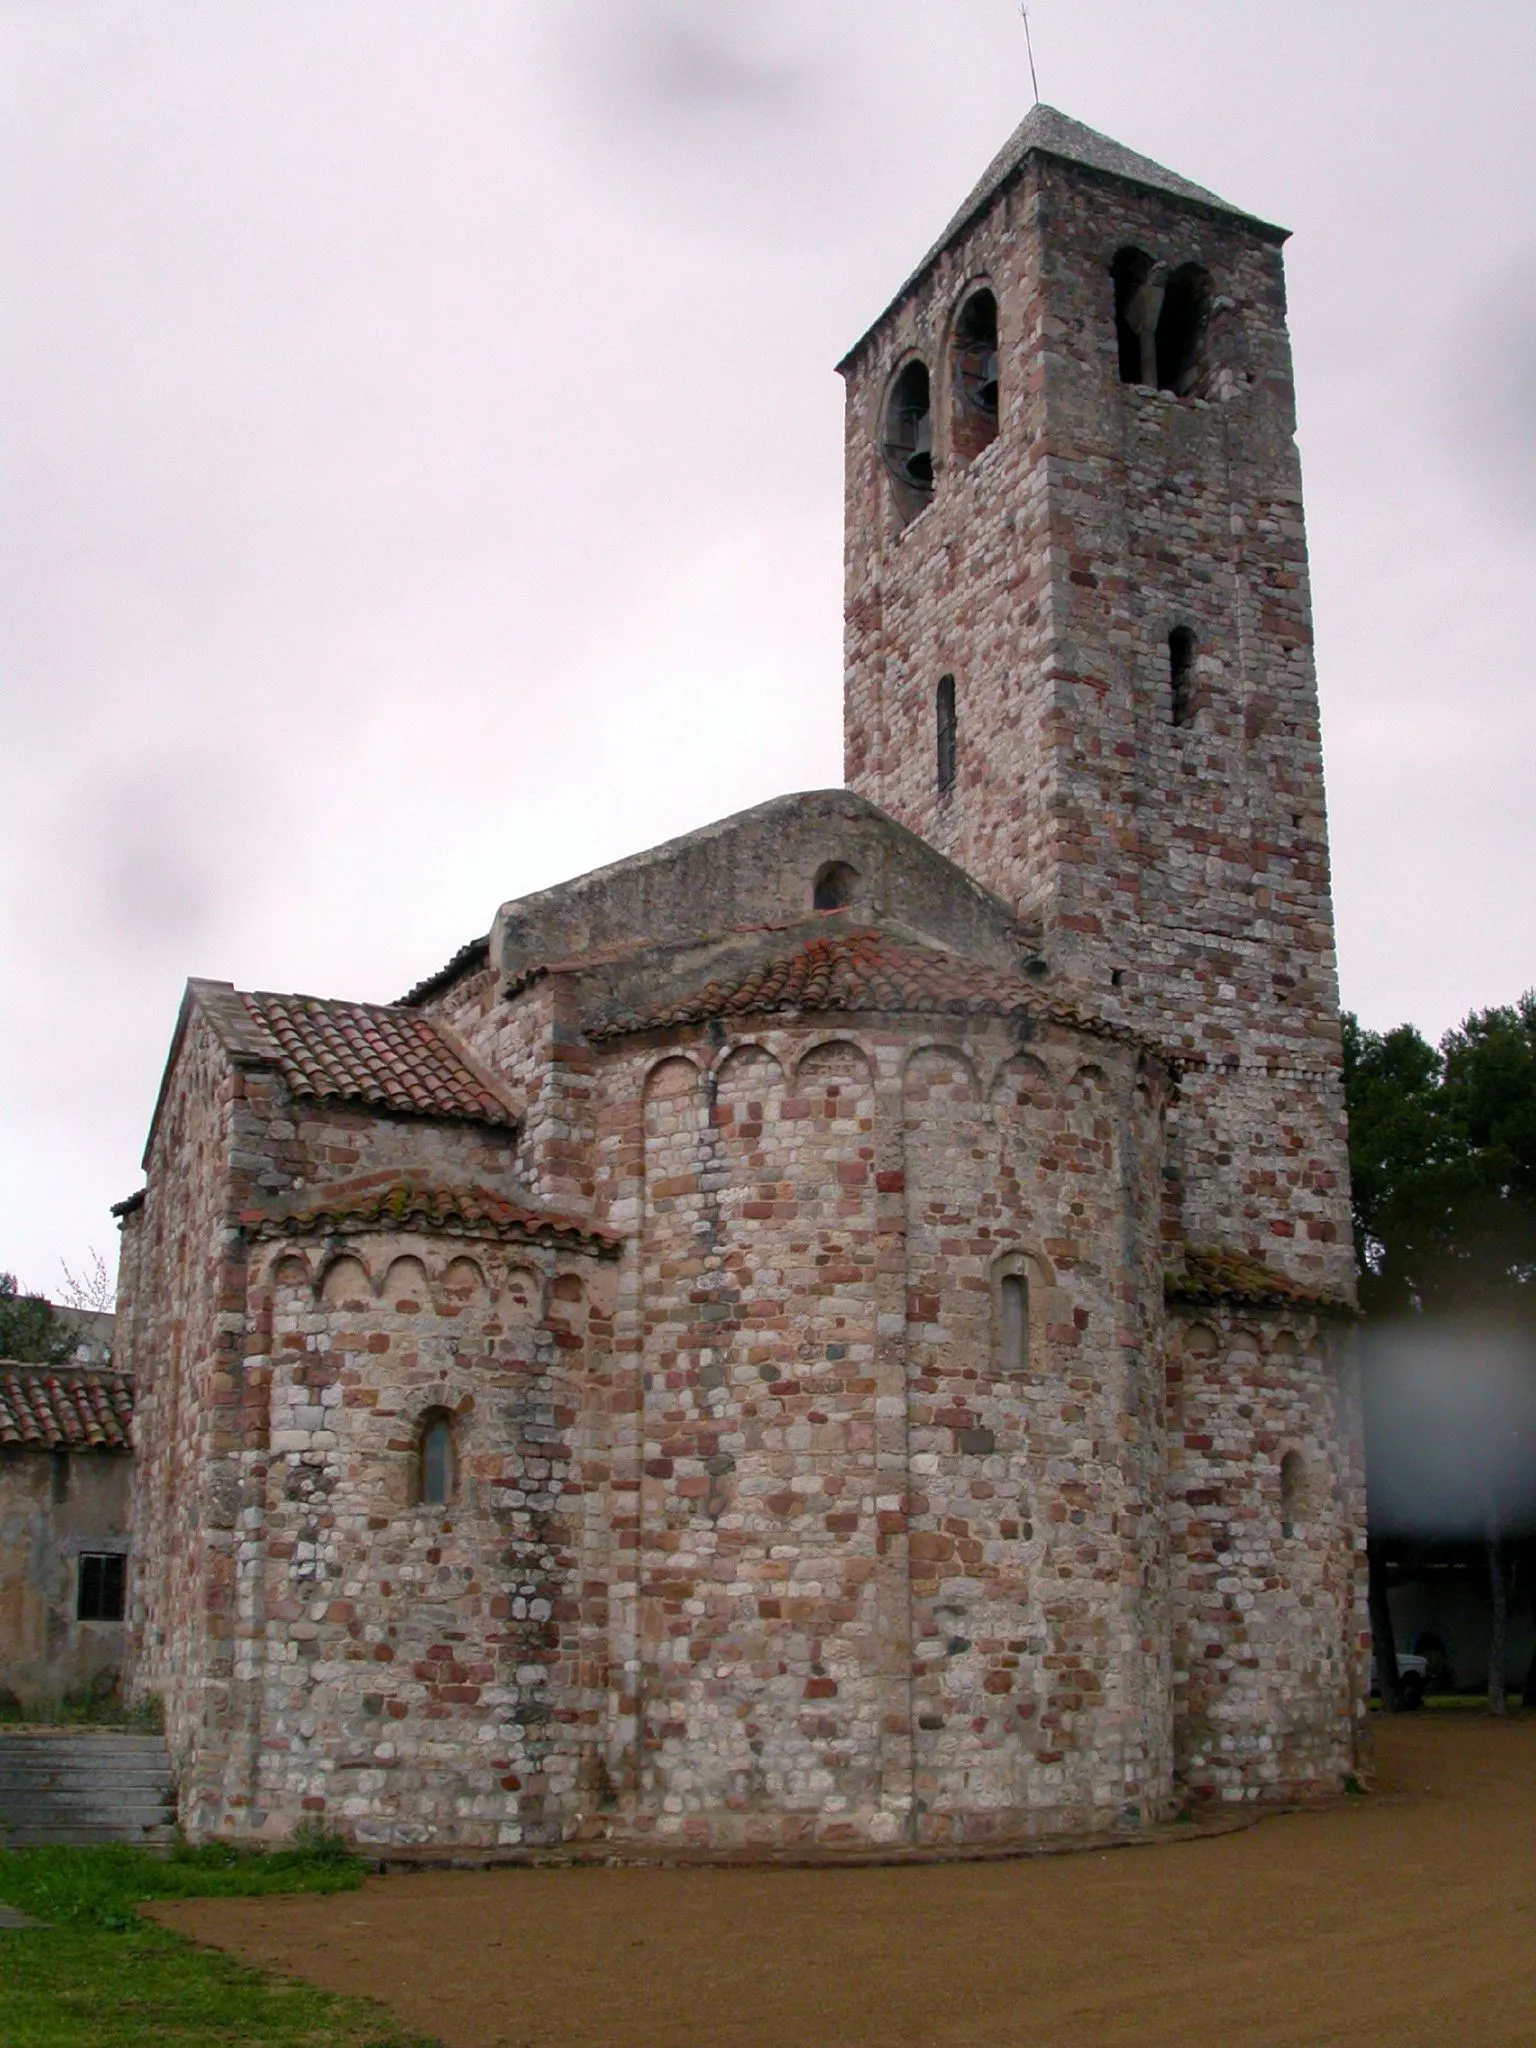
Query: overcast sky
{"x":422,"y":465}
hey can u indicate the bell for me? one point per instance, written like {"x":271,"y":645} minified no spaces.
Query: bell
{"x":918,"y":466}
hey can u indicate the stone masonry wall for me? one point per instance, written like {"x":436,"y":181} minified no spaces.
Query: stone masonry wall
{"x":417,"y":1670}
{"x":1180,"y":871}
{"x":881,"y":1591}
{"x":53,"y":1506}
{"x":1267,"y":1525}
{"x":186,"y":1282}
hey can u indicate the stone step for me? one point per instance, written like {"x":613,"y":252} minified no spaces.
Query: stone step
{"x":85,"y":1788}
{"x":84,"y":1774}
{"x":150,"y":1799}
{"x":55,"y":1837}
{"x":149,"y":1749}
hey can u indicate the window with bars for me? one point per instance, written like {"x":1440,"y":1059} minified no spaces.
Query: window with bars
{"x":100,"y":1584}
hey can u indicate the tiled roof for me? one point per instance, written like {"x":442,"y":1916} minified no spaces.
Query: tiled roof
{"x":375,"y":1053}
{"x":1048,"y":132}
{"x":356,"y":1208}
{"x":1213,"y":1274}
{"x":861,"y":970}
{"x":65,"y":1407}
{"x":474,"y":953}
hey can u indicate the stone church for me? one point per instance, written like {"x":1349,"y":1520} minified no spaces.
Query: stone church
{"x":833,"y":1331}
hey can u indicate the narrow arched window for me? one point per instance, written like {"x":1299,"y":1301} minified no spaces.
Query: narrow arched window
{"x":976,"y":380}
{"x":1138,"y":302}
{"x":946,"y":733}
{"x":1291,"y":1477}
{"x":907,"y":440}
{"x":834,"y":886}
{"x":435,"y":1461}
{"x":1181,"y":323}
{"x":1181,"y":674}
{"x":1013,"y":1323}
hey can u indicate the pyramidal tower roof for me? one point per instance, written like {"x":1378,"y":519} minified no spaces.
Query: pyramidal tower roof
{"x":1045,"y":131}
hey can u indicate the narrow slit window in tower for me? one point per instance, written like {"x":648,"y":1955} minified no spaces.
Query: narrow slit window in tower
{"x":1013,"y":1323}
{"x":1181,"y":674}
{"x":435,"y":1457}
{"x":946,"y":733}
{"x":1290,"y":1492}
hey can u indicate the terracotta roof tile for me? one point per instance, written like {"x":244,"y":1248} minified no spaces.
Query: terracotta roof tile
{"x":374,"y":1053}
{"x":474,"y":954}
{"x":355,"y":1208}
{"x":65,"y":1407}
{"x":863,"y":970}
{"x":1213,"y":1274}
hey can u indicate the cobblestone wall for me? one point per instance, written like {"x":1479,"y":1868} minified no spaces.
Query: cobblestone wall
{"x":1179,"y":869}
{"x":828,"y":1467}
{"x":1266,"y":1512}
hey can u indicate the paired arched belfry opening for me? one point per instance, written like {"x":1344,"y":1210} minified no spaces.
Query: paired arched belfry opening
{"x":907,"y":430}
{"x":1161,"y":317}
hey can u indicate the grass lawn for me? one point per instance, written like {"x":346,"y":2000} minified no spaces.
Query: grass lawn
{"x":98,"y":1976}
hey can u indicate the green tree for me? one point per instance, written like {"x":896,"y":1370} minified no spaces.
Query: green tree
{"x":1442,"y":1157}
{"x":1443,"y":1164}
{"x":30,"y":1329}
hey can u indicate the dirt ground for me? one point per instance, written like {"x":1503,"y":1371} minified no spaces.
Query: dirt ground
{"x":1407,"y":1918}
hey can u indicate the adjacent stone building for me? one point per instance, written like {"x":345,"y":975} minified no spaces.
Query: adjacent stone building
{"x":834,"y":1330}
{"x":65,"y":1468}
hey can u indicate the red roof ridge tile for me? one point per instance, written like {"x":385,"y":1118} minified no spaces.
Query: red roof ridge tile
{"x":389,"y":1202}
{"x":865,"y":968}
{"x":1215,"y":1274}
{"x":65,"y":1407}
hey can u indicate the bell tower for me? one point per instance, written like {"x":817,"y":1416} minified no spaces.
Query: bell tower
{"x":1079,"y":644}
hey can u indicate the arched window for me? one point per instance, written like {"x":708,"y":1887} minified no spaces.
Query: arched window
{"x":1291,"y":1483}
{"x":946,"y":733}
{"x":1181,"y":674}
{"x":976,"y":382}
{"x":1160,"y":321}
{"x":1013,"y":1322}
{"x":436,"y":1462}
{"x":1181,"y":329}
{"x":907,"y":441}
{"x":1138,"y":302}
{"x":834,"y":886}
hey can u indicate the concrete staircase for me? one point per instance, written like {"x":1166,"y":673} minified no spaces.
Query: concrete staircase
{"x":85,"y":1786}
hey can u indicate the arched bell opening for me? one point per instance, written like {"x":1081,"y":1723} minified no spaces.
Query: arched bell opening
{"x":1181,"y":326}
{"x":907,"y":441}
{"x":977,"y":392}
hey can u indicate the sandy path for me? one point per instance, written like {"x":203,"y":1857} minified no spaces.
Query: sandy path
{"x":1407,"y":1918}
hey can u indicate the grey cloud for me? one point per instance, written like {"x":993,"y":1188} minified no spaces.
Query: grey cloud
{"x":1487,"y":369}
{"x":662,"y":60}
